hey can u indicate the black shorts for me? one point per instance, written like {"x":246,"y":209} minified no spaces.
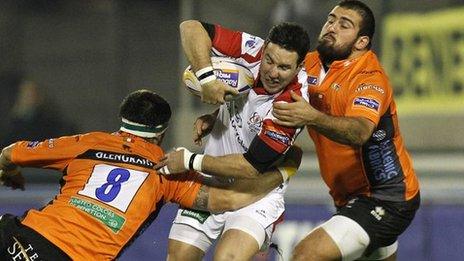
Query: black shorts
{"x":383,"y":220}
{"x":19,"y":242}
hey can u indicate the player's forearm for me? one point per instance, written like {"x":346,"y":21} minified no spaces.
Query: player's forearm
{"x":346,"y":130}
{"x":242,"y":192}
{"x":196,"y":44}
{"x":232,"y":165}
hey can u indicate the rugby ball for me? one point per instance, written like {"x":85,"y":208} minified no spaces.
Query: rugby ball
{"x":226,"y":70}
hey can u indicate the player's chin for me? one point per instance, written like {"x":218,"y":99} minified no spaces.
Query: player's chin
{"x":273,"y":88}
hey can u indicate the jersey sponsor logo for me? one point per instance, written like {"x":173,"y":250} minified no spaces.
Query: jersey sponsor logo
{"x":255,"y":122}
{"x":112,"y":220}
{"x":279,"y":137}
{"x":236,"y":123}
{"x":18,"y":251}
{"x":227,"y":76}
{"x":51,"y":143}
{"x":33,"y":144}
{"x":261,"y":212}
{"x":382,"y":161}
{"x":369,"y":86}
{"x":370,"y":72}
{"x":117,"y":158}
{"x":378,"y":213}
{"x":366,"y":102}
{"x":251,"y":44}
{"x":312,"y":80}
{"x":379,"y":135}
{"x":335,"y":86}
{"x":201,"y":216}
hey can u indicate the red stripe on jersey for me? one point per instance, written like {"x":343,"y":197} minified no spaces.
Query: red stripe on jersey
{"x":253,"y":59}
{"x":227,"y":41}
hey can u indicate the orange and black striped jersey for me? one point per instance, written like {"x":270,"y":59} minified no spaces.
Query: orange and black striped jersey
{"x":109,"y":191}
{"x":382,"y":167}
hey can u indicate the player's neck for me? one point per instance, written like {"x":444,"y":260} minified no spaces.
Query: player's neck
{"x":357,"y":53}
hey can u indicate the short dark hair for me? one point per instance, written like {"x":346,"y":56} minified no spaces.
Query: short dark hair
{"x":145,"y":107}
{"x":367,"y":26}
{"x":290,"y":36}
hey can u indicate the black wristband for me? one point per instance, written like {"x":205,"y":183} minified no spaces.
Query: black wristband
{"x":192,"y":158}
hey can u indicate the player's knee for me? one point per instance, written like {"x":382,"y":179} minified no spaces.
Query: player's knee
{"x":179,"y":251}
{"x":231,"y":254}
{"x":316,"y":246}
{"x":299,"y":253}
{"x":304,"y":251}
{"x":228,"y":255}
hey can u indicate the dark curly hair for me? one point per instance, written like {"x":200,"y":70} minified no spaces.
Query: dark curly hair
{"x":145,"y":107}
{"x":291,"y":37}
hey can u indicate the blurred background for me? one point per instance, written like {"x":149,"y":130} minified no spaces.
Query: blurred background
{"x":65,"y":66}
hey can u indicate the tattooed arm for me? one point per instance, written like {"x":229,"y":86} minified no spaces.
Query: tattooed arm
{"x":228,"y":194}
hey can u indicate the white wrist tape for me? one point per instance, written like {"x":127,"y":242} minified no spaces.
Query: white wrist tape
{"x":205,"y":75}
{"x":192,"y":161}
{"x":202,"y":71}
{"x":196,"y":162}
{"x":208,"y":79}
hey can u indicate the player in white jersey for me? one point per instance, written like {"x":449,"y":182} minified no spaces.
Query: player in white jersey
{"x":244,"y":141}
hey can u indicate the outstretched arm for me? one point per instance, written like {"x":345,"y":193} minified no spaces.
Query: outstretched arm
{"x":10,"y":175}
{"x":243,"y":192}
{"x":197,"y":45}
{"x":230,"y":165}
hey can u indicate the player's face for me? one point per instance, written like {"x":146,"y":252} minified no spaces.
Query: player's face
{"x":278,"y":67}
{"x":339,"y":34}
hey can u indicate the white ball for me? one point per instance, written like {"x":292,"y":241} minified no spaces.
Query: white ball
{"x":226,"y":70}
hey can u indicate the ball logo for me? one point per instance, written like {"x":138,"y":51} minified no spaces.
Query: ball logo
{"x":227,"y":76}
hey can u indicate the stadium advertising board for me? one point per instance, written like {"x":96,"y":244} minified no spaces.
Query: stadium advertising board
{"x":423,"y":55}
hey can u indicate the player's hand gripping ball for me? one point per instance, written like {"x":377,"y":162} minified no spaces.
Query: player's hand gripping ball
{"x":226,"y":70}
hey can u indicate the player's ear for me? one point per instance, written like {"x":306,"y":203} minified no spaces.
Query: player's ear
{"x":362,"y":42}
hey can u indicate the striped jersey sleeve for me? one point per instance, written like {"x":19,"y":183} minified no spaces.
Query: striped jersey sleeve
{"x":237,"y":44}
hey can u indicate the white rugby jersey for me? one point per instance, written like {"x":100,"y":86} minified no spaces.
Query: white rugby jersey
{"x":249,"y":117}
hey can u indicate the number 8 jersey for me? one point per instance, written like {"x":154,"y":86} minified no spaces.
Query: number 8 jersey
{"x":109,"y":191}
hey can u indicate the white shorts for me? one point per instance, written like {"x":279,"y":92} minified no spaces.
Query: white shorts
{"x":352,"y":240}
{"x":201,"y":229}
